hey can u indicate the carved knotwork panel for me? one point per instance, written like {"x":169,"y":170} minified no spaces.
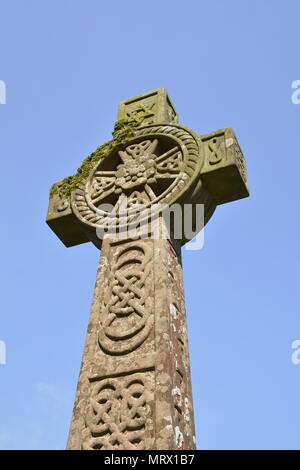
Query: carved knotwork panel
{"x":127,"y":316}
{"x":120,"y":413}
{"x":143,"y":111}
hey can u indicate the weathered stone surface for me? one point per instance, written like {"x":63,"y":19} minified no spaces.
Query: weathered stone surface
{"x":155,"y":107}
{"x":224,"y":170}
{"x":134,"y":389}
{"x":183,"y":168}
{"x":62,"y":220}
{"x":161,"y":166}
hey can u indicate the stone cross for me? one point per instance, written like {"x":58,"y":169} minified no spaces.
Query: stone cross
{"x":134,"y":388}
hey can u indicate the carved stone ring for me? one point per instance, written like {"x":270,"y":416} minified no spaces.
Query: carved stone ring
{"x":159,"y":166}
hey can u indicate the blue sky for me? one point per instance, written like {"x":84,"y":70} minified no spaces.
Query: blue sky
{"x":66,"y":65}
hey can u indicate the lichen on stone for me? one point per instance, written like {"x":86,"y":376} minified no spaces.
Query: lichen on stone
{"x":123,"y":132}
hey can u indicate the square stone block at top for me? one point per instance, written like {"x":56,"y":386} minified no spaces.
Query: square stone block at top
{"x":63,"y":222}
{"x":155,"y":106}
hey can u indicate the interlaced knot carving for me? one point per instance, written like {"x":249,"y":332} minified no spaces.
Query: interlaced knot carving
{"x":119,"y":413}
{"x":127,"y":315}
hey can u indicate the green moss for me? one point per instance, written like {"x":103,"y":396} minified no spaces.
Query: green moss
{"x":123,"y":132}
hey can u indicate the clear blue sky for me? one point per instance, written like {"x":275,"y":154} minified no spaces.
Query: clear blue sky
{"x":66,"y":65}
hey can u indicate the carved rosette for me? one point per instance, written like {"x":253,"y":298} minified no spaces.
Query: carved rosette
{"x":160,"y":166}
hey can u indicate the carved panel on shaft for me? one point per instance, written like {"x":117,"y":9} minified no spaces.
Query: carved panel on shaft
{"x":127,"y":316}
{"x":120,"y":413}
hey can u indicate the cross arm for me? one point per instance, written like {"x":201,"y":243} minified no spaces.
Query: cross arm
{"x":62,"y":220}
{"x":224,"y":170}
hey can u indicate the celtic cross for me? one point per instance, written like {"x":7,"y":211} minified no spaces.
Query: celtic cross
{"x":134,"y":388}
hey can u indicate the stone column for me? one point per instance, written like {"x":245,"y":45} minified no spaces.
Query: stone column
{"x":134,"y":389}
